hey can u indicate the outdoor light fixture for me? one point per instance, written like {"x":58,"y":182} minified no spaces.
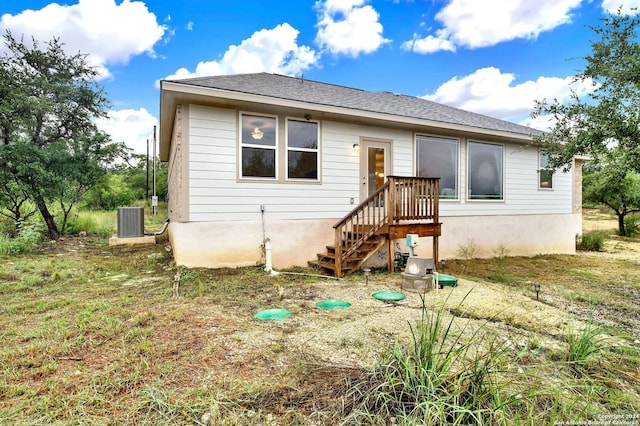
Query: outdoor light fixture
{"x":367,"y":272}
{"x":257,"y":133}
{"x":356,"y":147}
{"x":443,"y":263}
{"x":536,"y":288}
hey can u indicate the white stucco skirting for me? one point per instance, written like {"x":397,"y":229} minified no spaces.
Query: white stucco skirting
{"x":520,"y":235}
{"x":232,"y":244}
{"x":294,"y":243}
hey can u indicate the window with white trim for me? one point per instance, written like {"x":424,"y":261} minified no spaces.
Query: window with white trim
{"x":545,"y":173}
{"x":258,"y":146}
{"x":302,"y":150}
{"x":485,"y":171}
{"x":438,"y":157}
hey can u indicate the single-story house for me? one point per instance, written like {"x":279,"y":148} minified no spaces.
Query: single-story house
{"x":265,"y":159}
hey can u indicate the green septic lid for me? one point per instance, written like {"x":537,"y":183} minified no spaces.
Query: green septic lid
{"x":392,"y":296}
{"x":275,"y":314}
{"x":333,"y":304}
{"x":447,"y":280}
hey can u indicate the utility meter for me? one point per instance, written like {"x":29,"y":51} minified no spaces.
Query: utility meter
{"x":412,"y":240}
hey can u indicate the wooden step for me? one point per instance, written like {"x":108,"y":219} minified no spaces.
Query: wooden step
{"x":329,"y":268}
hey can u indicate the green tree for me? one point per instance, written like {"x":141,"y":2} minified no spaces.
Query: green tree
{"x":50,"y":145}
{"x":112,"y":192}
{"x":605,"y":123}
{"x":617,"y":189}
{"x":14,"y":203}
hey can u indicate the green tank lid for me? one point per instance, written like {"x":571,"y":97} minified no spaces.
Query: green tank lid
{"x":447,"y":280}
{"x":333,"y":304}
{"x":272,"y":314}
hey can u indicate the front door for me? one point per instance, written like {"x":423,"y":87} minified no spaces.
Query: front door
{"x":375,"y":165}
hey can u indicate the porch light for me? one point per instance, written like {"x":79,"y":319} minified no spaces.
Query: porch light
{"x":257,"y":133}
{"x":356,"y":147}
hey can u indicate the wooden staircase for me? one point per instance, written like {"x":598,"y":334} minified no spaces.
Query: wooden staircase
{"x":403,"y":205}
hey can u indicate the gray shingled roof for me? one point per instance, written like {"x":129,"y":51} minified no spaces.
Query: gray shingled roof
{"x":313,"y":92}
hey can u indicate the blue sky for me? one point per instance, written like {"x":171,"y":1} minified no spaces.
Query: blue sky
{"x":494,"y":57}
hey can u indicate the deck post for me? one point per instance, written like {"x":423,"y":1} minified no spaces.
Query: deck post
{"x":338,"y":253}
{"x":391,"y":205}
{"x":436,"y":219}
{"x":390,"y":255}
{"x":391,"y":209}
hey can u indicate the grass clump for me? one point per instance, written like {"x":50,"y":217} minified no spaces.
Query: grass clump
{"x":442,"y":378}
{"x":591,"y":241}
{"x":584,"y":344}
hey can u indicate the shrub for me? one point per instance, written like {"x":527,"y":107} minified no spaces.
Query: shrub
{"x":467,"y":251}
{"x":591,"y":241}
{"x":109,"y":195}
{"x":29,"y":235}
{"x":632,"y":224}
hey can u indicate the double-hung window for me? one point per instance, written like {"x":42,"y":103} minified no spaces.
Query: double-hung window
{"x":438,"y":157}
{"x":302,"y":150}
{"x":485,"y":171}
{"x":259,"y":146}
{"x":545,"y":178}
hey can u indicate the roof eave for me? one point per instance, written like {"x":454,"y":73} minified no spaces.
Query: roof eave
{"x":171,"y":91}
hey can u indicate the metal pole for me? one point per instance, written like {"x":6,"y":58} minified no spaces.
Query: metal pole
{"x":146,"y":197}
{"x":155,"y":198}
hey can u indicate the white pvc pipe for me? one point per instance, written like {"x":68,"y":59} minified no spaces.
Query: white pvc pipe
{"x":267,"y":254}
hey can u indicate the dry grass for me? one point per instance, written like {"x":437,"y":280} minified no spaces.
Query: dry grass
{"x":93,"y":335}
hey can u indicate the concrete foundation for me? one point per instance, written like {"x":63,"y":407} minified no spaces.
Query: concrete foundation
{"x":130,"y":241}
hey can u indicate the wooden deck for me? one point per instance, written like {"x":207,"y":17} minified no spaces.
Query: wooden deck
{"x":403,"y":205}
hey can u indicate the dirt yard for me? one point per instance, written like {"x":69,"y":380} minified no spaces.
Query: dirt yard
{"x":104,"y":340}
{"x":350,"y":336}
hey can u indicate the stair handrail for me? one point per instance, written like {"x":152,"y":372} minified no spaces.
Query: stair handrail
{"x":375,"y":218}
{"x":399,"y":199}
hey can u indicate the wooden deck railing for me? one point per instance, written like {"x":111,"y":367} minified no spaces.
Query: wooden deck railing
{"x":414,"y":199}
{"x":400,"y":199}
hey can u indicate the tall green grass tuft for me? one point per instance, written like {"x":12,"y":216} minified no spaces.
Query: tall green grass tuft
{"x":93,"y":222}
{"x":584,"y":344}
{"x":442,"y":378}
{"x":591,"y":241}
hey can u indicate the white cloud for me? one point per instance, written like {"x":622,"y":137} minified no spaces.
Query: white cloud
{"x":629,"y":7}
{"x":131,"y":126}
{"x":491,"y":92}
{"x":430,"y":44}
{"x":349,"y":27}
{"x":474,"y":24}
{"x":273,"y":51}
{"x":543,"y":122}
{"x":107,"y":32}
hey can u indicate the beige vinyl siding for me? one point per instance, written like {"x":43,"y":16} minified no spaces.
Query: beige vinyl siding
{"x":521,"y":193}
{"x":217,"y":194}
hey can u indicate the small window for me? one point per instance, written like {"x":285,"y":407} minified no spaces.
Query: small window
{"x":545,"y":173}
{"x":485,"y":171}
{"x":258,"y":146}
{"x":302,"y":150}
{"x":438,"y":157}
